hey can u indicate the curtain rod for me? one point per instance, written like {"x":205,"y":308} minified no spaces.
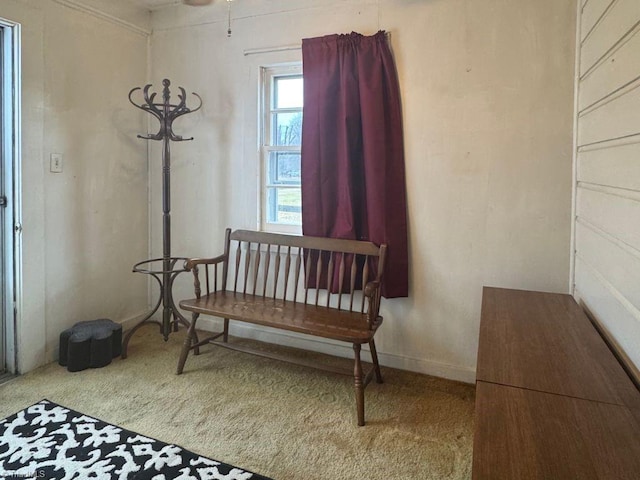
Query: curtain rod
{"x":282,"y":48}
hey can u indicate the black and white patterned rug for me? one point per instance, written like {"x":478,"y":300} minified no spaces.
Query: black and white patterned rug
{"x":49,"y":441}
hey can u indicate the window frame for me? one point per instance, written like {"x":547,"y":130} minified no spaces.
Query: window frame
{"x":268,"y":75}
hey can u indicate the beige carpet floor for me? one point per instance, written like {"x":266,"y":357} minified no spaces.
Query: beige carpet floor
{"x":280,"y":420}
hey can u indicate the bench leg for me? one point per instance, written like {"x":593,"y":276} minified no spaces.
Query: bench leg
{"x":186,"y":346}
{"x":225,"y":336}
{"x":374,"y":359}
{"x":357,"y":374}
{"x":194,"y":340}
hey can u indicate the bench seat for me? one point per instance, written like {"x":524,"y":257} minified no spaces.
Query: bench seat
{"x":304,"y":318}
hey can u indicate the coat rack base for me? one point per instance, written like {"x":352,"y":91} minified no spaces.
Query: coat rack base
{"x":165,"y":275}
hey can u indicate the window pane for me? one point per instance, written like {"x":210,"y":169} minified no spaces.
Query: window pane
{"x":284,"y":206}
{"x":287,"y":128}
{"x":288,"y":92}
{"x":284,"y":168}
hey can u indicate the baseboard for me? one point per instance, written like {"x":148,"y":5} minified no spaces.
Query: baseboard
{"x":340,"y":349}
{"x":131,"y":322}
{"x":321,"y":345}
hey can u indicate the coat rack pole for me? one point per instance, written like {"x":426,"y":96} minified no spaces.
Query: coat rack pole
{"x":166,"y":113}
{"x":166,"y":236}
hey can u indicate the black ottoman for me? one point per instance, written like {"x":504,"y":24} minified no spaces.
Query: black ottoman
{"x":90,"y":344}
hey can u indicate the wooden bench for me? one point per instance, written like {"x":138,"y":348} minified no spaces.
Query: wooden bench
{"x":270,"y":279}
{"x":552,"y":401}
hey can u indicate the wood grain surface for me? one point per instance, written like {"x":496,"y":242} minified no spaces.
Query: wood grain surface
{"x":545,"y":342}
{"x":319,"y":321}
{"x":523,"y":434}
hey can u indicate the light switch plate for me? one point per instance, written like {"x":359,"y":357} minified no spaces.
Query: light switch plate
{"x":55,"y":163}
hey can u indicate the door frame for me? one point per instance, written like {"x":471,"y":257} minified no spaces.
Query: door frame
{"x":10,"y":116}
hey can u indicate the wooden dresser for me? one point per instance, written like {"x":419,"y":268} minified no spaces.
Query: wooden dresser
{"x":552,"y":401}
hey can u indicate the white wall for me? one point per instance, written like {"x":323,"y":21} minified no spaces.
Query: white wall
{"x":84,"y":228}
{"x":607,"y":226}
{"x":487,"y":89}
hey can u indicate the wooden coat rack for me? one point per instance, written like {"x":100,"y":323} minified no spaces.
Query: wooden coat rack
{"x":166,"y":113}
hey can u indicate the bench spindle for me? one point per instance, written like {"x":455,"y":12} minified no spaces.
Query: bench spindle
{"x":318,"y":274}
{"x":340,"y":280}
{"x":256,"y":269}
{"x":352,"y":287}
{"x":267,"y":262}
{"x":247,"y":262}
{"x":365,"y":278}
{"x":238,"y":255}
{"x":276,"y":273}
{"x":329,"y":278}
{"x":287,"y":268}
{"x":296,"y":277}
{"x":306,"y":276}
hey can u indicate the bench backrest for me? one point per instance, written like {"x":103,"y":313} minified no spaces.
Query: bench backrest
{"x":302,"y":269}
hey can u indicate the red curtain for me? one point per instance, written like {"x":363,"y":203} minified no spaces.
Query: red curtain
{"x":353,"y":181}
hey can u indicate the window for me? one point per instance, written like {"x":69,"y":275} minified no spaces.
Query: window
{"x":281,"y":118}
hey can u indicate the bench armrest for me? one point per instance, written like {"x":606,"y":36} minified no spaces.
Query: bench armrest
{"x":193,"y":262}
{"x":192,"y":265}
{"x":371,"y":288}
{"x":372,"y":292}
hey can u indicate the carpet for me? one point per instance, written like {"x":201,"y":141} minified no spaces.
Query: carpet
{"x":49,"y":441}
{"x":283,"y":421}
